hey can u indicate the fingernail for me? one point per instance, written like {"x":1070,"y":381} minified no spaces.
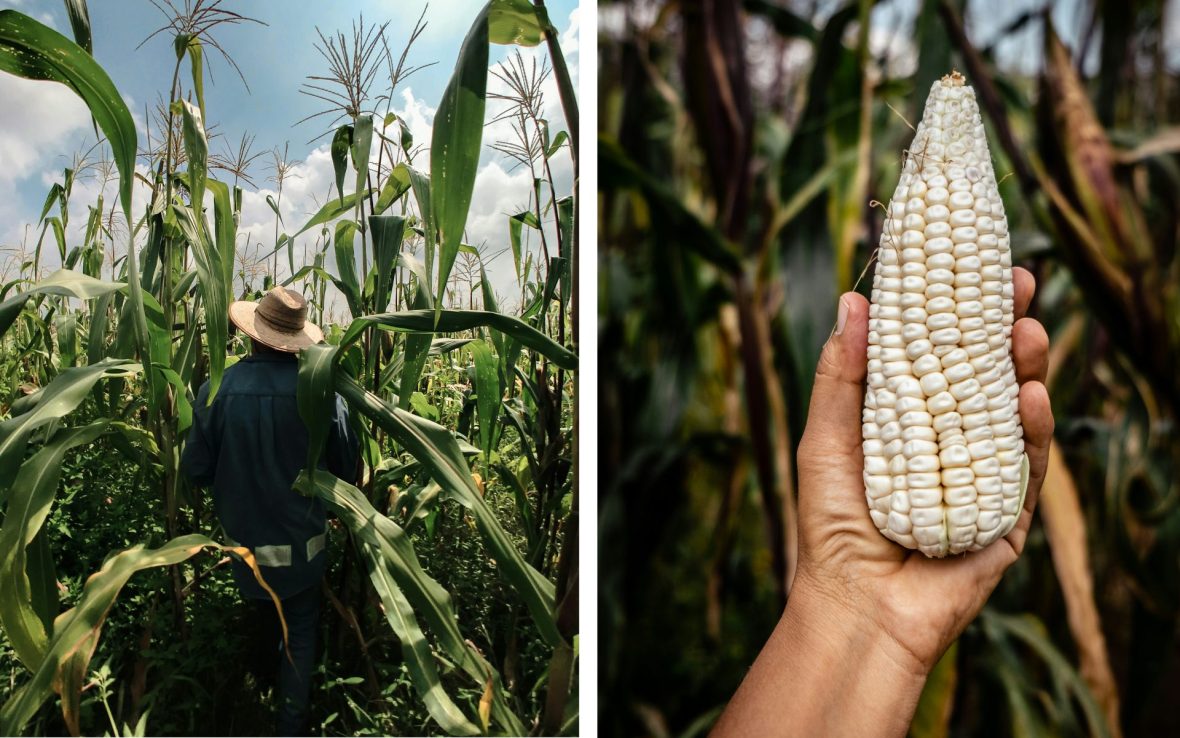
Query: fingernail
{"x":841,"y":316}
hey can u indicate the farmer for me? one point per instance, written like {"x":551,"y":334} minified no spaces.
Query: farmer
{"x":249,"y":446}
{"x":867,"y":620}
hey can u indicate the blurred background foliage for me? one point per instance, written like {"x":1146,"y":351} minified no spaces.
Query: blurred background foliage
{"x":743,"y":150}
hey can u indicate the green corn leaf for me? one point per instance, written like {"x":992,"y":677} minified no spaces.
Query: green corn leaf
{"x":341,"y":143}
{"x":326,"y":214}
{"x":387,"y":233}
{"x":514,"y":228}
{"x":453,"y":321}
{"x":153,"y":249}
{"x":225,"y":230}
{"x":343,"y":243}
{"x":76,"y":631}
{"x":487,"y":388}
{"x":184,"y":409}
{"x":406,"y":138}
{"x":59,"y":236}
{"x":214,"y":291}
{"x":437,"y":450}
{"x":558,"y":140}
{"x":408,"y":594}
{"x":362,"y":142}
{"x":28,"y":507}
{"x":159,"y":348}
{"x":96,"y":349}
{"x":440,"y":346}
{"x":491,"y":305}
{"x":415,"y":648}
{"x":196,"y":149}
{"x":558,"y":266}
{"x":396,"y":185}
{"x":516,"y":420}
{"x":420,"y":184}
{"x":454,"y":146}
{"x":66,"y":283}
{"x":184,"y":359}
{"x":52,"y":402}
{"x":513,"y":22}
{"x":417,"y":345}
{"x":316,"y":396}
{"x":422,"y":407}
{"x":183,"y":285}
{"x":331,"y":211}
{"x":57,"y":194}
{"x":10,"y":309}
{"x":67,"y":338}
{"x":565,"y":223}
{"x":934,"y":53}
{"x":520,"y":497}
{"x":41,"y":571}
{"x":80,"y":24}
{"x":196,"y":57}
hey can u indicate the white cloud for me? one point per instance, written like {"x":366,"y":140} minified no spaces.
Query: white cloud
{"x":445,"y":21}
{"x":51,"y":121}
{"x":39,"y":129}
{"x":37,"y":123}
{"x":418,"y":117}
{"x":570,"y":37}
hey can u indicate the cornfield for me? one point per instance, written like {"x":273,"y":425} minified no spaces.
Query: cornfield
{"x":454,"y":574}
{"x":745,"y":150}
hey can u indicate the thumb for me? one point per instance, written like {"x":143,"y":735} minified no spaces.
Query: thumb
{"x":834,"y":420}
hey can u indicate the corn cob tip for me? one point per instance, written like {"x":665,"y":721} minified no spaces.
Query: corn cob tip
{"x":954,"y":79}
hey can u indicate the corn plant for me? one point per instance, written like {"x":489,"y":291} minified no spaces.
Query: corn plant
{"x":117,"y":361}
{"x":742,"y":190}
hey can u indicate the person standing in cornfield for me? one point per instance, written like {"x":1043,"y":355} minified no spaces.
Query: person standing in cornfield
{"x":248,"y":447}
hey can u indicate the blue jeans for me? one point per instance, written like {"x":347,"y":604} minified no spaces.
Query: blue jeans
{"x":302,"y":612}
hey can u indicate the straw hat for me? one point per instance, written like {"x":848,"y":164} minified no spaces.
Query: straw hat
{"x":278,"y":320}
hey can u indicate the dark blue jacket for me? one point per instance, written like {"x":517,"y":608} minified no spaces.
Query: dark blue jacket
{"x":249,"y":446}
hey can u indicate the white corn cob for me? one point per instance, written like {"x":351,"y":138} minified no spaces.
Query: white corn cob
{"x":945,"y":470}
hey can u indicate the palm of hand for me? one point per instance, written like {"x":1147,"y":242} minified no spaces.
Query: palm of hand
{"x":921,"y":603}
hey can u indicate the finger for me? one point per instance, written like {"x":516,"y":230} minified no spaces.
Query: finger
{"x":1024,"y":284}
{"x":1030,"y":350}
{"x":833,"y":421}
{"x":1036,"y":416}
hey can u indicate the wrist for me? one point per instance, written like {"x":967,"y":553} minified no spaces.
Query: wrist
{"x":836,"y":625}
{"x":827,"y":669}
{"x":875,"y":682}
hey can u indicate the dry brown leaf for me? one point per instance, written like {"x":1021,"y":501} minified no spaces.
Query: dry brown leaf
{"x":1065,"y":527}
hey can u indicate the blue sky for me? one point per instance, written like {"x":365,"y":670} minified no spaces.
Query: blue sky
{"x":40,"y":133}
{"x":275,"y":59}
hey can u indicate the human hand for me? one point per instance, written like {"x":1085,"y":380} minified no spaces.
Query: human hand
{"x":920,"y":604}
{"x":867,"y":619}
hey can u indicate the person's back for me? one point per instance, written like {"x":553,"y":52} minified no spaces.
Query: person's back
{"x":248,"y":446}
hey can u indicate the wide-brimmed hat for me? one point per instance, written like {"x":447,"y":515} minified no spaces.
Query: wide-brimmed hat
{"x":278,"y":320}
